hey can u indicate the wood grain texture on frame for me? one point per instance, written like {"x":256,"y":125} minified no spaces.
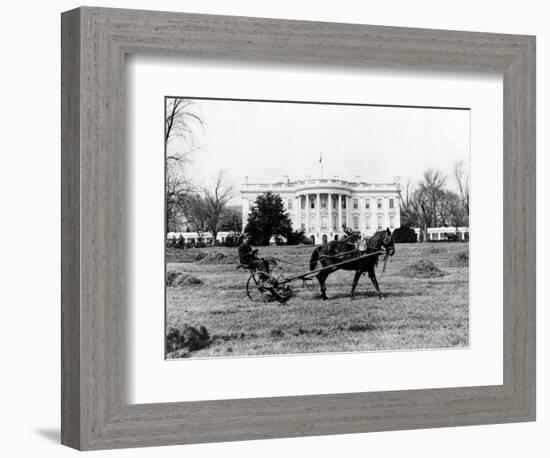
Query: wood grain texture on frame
{"x":95,"y":41}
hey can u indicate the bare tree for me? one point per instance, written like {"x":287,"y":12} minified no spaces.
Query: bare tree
{"x":424,"y":205}
{"x":463,"y":183}
{"x":176,"y":191}
{"x":232,"y":219}
{"x":453,"y":212}
{"x":181,"y":115}
{"x":405,"y":197}
{"x":195,"y":209}
{"x":216,"y":199}
{"x":432,"y":189}
{"x":181,"y":121}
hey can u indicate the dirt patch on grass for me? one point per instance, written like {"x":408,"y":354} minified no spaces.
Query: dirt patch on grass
{"x":310,"y":332}
{"x":218,"y":258}
{"x":174,"y":278}
{"x":436,"y":250}
{"x":422,"y":269}
{"x":277,"y":333}
{"x":185,"y":255}
{"x":234,"y":336}
{"x":461,"y":259}
{"x":360,"y":327}
{"x":186,"y":339}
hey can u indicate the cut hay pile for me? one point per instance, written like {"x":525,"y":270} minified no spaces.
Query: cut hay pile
{"x":422,"y":269}
{"x":187,"y":255}
{"x":218,"y":258}
{"x":461,"y":259}
{"x":174,"y":278}
{"x":182,"y":340}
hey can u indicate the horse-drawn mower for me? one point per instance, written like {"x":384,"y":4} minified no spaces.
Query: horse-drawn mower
{"x":262,"y":286}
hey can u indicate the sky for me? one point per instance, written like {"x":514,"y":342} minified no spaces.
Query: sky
{"x":265,"y":141}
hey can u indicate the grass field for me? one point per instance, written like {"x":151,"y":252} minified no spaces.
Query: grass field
{"x":416,"y":313}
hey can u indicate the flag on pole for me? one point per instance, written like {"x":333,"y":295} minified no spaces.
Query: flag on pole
{"x":320,"y":158}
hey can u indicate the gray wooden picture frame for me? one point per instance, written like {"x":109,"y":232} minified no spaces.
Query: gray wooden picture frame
{"x":95,"y":413}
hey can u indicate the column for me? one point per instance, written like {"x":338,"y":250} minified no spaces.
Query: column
{"x":361,"y":207}
{"x":307,"y":212}
{"x":339,"y":212}
{"x":297,"y":216}
{"x":245,"y":212}
{"x":319,"y":212}
{"x":348,"y":212}
{"x":329,"y":208}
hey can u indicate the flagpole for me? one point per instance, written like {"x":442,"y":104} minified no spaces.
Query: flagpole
{"x":321,"y":163}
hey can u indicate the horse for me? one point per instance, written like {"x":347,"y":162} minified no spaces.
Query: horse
{"x":348,"y":247}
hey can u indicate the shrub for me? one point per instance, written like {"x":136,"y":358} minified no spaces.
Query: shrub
{"x":295,"y":237}
{"x":187,"y":338}
{"x":404,"y":234}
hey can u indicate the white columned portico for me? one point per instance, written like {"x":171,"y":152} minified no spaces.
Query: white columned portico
{"x":329,"y":208}
{"x":339,"y":228}
{"x":318,"y":212}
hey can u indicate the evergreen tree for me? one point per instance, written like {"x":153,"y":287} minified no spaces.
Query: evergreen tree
{"x":268,"y":218}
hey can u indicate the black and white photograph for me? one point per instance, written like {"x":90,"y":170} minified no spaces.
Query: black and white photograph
{"x":301,"y":227}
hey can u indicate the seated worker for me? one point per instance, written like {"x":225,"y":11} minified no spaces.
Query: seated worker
{"x":249,"y":256}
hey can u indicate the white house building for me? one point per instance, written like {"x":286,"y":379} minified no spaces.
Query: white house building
{"x":323,"y":207}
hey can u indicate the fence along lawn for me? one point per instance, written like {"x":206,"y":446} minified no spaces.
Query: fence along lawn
{"x":416,"y":313}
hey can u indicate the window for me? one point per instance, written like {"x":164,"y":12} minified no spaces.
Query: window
{"x":380,"y":222}
{"x":391,"y":203}
{"x":392,"y":221}
{"x":355,"y":223}
{"x":367,"y":204}
{"x":312,"y":203}
{"x":303,"y":223}
{"x":334,"y":201}
{"x":290,"y":204}
{"x":344,"y":222}
{"x":323,"y":201}
{"x":379,"y":203}
{"x":302,"y":203}
{"x":323,"y":223}
{"x":344,"y":202}
{"x":355,"y":204}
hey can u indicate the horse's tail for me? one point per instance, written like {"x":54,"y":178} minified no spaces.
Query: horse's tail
{"x":314,"y":258}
